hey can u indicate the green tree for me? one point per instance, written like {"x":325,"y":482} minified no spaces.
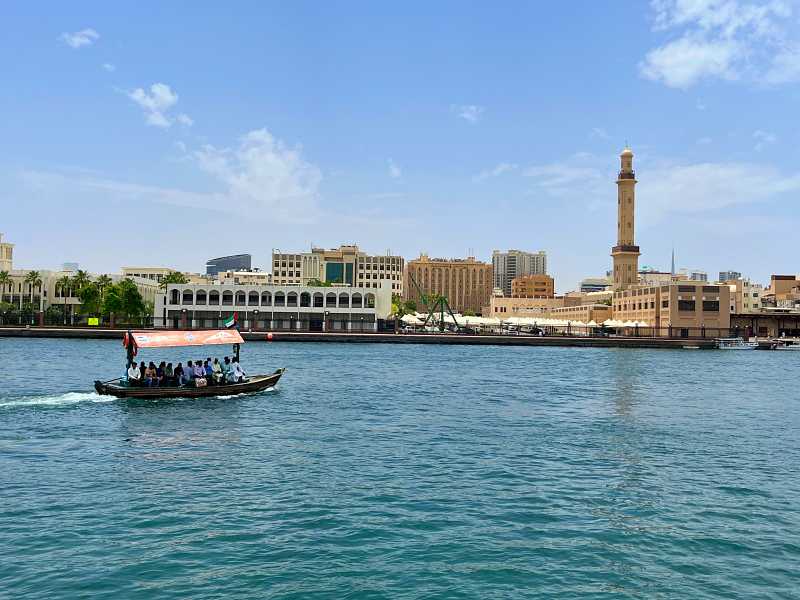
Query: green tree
{"x":173,"y":277}
{"x":63,"y":285}
{"x":317,"y":283}
{"x":89,"y":295}
{"x":34,"y":280}
{"x":5,"y":281}
{"x":123,"y":299}
{"x":80,"y":279}
{"x":400,"y":308}
{"x":469,"y":313}
{"x":103,"y":282}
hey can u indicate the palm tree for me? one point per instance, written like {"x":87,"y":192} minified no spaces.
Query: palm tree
{"x":103,"y":282}
{"x":34,"y":279}
{"x":80,"y":279}
{"x":5,"y":281}
{"x":172,"y":277}
{"x":63,"y":285}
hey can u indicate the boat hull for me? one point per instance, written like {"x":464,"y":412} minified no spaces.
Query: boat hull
{"x":256,"y":383}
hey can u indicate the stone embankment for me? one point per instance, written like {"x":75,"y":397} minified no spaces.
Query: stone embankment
{"x":390,"y":338}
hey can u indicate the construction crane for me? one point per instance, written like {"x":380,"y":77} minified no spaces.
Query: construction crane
{"x":439,"y":305}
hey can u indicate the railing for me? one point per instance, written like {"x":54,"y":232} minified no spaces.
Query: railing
{"x":626,"y":175}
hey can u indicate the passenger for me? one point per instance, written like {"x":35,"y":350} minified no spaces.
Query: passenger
{"x":142,"y":369}
{"x":150,"y":376}
{"x":209,"y":372}
{"x":226,"y":370}
{"x":134,"y":377}
{"x":238,"y":372}
{"x":199,"y":371}
{"x":189,"y":372}
{"x":180,"y":376}
{"x":169,"y":375}
{"x":160,"y":373}
{"x":217,"y":371}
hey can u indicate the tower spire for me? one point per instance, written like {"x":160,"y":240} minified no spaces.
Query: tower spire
{"x":672,"y":270}
{"x":626,"y":252}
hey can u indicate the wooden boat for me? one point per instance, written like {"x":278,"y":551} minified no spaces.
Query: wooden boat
{"x":121,"y":389}
{"x":134,"y":340}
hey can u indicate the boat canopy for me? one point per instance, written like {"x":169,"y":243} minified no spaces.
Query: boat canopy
{"x":168,"y":339}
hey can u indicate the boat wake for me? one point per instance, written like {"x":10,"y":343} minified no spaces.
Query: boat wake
{"x":56,"y":400}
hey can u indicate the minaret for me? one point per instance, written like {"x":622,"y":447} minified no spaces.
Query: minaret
{"x":626,"y":252}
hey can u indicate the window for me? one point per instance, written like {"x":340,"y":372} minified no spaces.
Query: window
{"x":687,"y":305}
{"x":665,"y":304}
{"x":686,"y":288}
{"x":710,"y":305}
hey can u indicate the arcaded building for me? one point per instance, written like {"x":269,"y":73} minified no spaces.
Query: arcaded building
{"x":465,"y":282}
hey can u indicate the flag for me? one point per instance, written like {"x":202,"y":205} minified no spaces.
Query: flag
{"x":230,"y":321}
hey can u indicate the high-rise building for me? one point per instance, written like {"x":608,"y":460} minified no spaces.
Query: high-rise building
{"x":345,"y":265}
{"x":626,"y":252}
{"x":533,"y":286}
{"x":694,"y":274}
{"x":465,"y":282}
{"x":235,"y":262}
{"x":6,"y":255}
{"x":516,"y":263}
{"x":70,"y":267}
{"x":729,"y":276}
{"x":595,"y":284}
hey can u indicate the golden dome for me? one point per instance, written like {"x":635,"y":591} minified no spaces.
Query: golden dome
{"x":627,"y":152}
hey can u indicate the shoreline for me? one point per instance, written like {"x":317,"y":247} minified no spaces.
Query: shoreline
{"x":390,"y":338}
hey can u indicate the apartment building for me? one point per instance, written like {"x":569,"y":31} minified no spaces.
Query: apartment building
{"x":465,"y":282}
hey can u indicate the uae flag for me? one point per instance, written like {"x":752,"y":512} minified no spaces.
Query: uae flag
{"x":230,"y":321}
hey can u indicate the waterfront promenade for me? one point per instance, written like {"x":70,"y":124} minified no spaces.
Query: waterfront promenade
{"x":392,"y":338}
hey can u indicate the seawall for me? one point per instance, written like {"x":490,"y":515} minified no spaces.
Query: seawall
{"x":389,"y":338}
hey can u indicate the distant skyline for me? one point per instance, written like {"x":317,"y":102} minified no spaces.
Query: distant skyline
{"x":165,"y":135}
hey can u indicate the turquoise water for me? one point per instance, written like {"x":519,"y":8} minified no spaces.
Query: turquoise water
{"x":380,"y":471}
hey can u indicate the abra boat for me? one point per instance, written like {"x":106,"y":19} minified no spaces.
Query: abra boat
{"x":134,"y":340}
{"x":787,"y":344}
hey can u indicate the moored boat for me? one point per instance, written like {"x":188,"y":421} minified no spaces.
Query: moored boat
{"x":787,"y":344}
{"x":735,"y":344}
{"x":133,"y":340}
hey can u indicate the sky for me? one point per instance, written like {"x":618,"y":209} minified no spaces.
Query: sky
{"x":165,"y":134}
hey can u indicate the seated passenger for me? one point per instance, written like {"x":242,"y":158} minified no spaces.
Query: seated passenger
{"x":238,"y":372}
{"x":188,"y":372}
{"x":217,"y":371}
{"x":199,"y":371}
{"x":169,"y":375}
{"x":161,"y":374}
{"x":226,"y":370}
{"x":179,"y":375}
{"x":209,"y":372}
{"x":150,"y":376}
{"x":142,"y":369}
{"x":134,"y":378}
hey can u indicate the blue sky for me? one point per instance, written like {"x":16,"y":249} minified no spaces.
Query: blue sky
{"x":169,"y":133}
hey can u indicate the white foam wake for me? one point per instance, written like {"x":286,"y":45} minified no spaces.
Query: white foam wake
{"x":57,"y":400}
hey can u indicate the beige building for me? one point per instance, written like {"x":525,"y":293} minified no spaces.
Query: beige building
{"x":626,"y":252}
{"x":465,"y":282}
{"x":683,"y":306}
{"x":152,"y":273}
{"x":6,"y":255}
{"x":582,"y":312}
{"x":746,"y":297}
{"x":784,"y":287}
{"x":504,"y":308}
{"x":244,"y":277}
{"x":533,"y":286}
{"x":345,"y":265}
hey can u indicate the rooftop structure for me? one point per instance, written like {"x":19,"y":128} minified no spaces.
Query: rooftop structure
{"x":234,"y":262}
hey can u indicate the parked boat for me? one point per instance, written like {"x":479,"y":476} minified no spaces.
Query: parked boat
{"x":787,"y":344}
{"x":134,"y":340}
{"x":735,"y":344}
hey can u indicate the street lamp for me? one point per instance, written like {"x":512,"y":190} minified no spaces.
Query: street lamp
{"x":326,"y":321}
{"x":183,"y":318}
{"x":255,"y":318}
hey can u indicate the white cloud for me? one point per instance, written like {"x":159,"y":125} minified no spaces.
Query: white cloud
{"x":264,"y":176}
{"x":722,"y":39}
{"x":109,"y":67}
{"x":495,"y":172}
{"x":468,"y":112}
{"x":394,"y":171}
{"x":763,"y":139}
{"x":84,"y":37}
{"x":701,"y":105}
{"x":185,"y":119}
{"x":665,"y":187}
{"x":260,"y":178}
{"x":156,"y":103}
{"x":599,"y":132}
{"x":704,"y":141}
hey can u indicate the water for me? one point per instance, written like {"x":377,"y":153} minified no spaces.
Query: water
{"x":378,"y":471}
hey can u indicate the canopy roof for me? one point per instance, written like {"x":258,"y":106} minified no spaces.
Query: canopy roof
{"x":167,"y":339}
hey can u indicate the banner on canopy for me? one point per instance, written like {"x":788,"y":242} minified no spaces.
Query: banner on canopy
{"x":167,"y":339}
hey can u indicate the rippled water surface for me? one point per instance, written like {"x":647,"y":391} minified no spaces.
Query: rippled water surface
{"x":380,"y":471}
